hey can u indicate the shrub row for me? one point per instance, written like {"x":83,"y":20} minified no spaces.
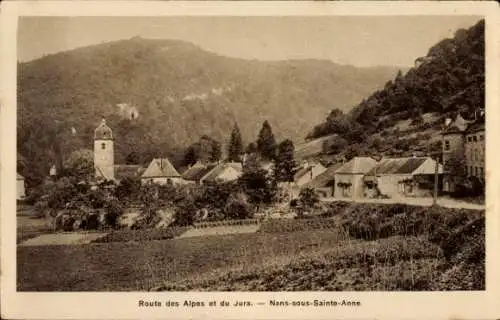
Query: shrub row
{"x":371,"y":222}
{"x":140,"y":235}
{"x":293,"y":225}
{"x":222,"y":223}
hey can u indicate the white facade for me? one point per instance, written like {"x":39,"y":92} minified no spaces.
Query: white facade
{"x":104,"y":159}
{"x":21,"y":190}
{"x":162,"y":180}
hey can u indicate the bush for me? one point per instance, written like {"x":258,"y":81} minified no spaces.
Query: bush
{"x":141,"y":235}
{"x":237,"y":207}
{"x":114,"y":210}
{"x":308,"y":197}
{"x":185,"y":212}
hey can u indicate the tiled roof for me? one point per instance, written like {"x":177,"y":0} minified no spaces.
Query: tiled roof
{"x":476,"y":126}
{"x":398,"y":165}
{"x":358,"y":165}
{"x":325,"y":178}
{"x":160,"y":168}
{"x":212,"y":175}
{"x":196,"y":172}
{"x":123,"y":171}
{"x":302,"y":172}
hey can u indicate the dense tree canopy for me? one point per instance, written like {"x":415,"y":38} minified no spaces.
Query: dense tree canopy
{"x":448,"y":80}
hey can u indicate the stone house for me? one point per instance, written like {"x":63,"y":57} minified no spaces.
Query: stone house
{"x":464,"y":145}
{"x":324,"y":183}
{"x":195,"y":173}
{"x":20,"y":187}
{"x":349,"y":178}
{"x":223,"y":172}
{"x":161,"y":171}
{"x":307,"y":173}
{"x":402,"y":177}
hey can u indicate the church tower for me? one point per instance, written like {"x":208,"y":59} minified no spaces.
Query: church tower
{"x":104,"y":157}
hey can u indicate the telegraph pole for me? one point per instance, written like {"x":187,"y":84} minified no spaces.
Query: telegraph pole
{"x":436,"y":179}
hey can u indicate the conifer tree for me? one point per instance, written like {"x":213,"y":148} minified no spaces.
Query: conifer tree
{"x":251,"y":148}
{"x":235,"y":147}
{"x":266,"y":143}
{"x":285,"y":162}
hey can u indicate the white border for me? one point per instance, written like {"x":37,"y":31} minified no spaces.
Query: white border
{"x":386,"y":305}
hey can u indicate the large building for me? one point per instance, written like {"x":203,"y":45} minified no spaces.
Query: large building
{"x":464,"y":145}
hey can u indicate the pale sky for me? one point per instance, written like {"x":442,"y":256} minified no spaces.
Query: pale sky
{"x":354,"y":40}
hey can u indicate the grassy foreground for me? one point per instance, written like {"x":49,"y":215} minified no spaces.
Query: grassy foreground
{"x":352,"y":247}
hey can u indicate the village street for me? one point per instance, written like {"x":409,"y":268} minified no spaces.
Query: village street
{"x":421,"y":201}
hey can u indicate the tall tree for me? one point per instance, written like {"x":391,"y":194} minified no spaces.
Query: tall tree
{"x":204,"y":150}
{"x":216,"y":152}
{"x":251,"y":148}
{"x":285,"y":162}
{"x":80,"y":164}
{"x":235,"y":147}
{"x":266,"y":143}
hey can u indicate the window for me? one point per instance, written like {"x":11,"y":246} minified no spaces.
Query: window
{"x":469,"y":139}
{"x":446,"y":145}
{"x":103,"y":145}
{"x":481,"y":172}
{"x":476,"y":171}
{"x":409,"y":188}
{"x":469,"y":171}
{"x":481,"y":137}
{"x":474,"y":138}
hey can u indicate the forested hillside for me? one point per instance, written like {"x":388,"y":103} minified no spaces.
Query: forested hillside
{"x":405,"y":116}
{"x":160,"y":96}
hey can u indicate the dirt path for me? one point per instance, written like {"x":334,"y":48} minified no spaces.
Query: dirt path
{"x":66,"y":238}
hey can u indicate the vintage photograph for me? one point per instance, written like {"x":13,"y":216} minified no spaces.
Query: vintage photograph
{"x":251,"y":153}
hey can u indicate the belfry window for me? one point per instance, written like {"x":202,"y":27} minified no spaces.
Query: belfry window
{"x":103,"y":146}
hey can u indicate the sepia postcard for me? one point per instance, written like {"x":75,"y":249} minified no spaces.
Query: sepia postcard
{"x":248,"y":160}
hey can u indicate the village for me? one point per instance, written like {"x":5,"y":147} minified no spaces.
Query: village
{"x":196,"y":171}
{"x":398,"y":179}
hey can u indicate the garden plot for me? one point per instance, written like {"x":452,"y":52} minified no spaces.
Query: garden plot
{"x":67,"y":238}
{"x":220,"y":230}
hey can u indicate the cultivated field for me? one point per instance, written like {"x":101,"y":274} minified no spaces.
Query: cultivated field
{"x":350,"y":247}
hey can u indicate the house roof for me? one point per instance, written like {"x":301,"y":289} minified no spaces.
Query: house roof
{"x":123,"y":171}
{"x":302,"y":172}
{"x":216,"y":171}
{"x":456,"y":126}
{"x":324,"y":179}
{"x":196,"y":172}
{"x":476,"y":126}
{"x":159,"y":168}
{"x":357,"y":165}
{"x":398,"y":165}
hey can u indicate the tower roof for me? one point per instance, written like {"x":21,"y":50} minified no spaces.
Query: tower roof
{"x":103,"y":132}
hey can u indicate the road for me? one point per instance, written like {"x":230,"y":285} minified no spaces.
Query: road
{"x":444,"y":202}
